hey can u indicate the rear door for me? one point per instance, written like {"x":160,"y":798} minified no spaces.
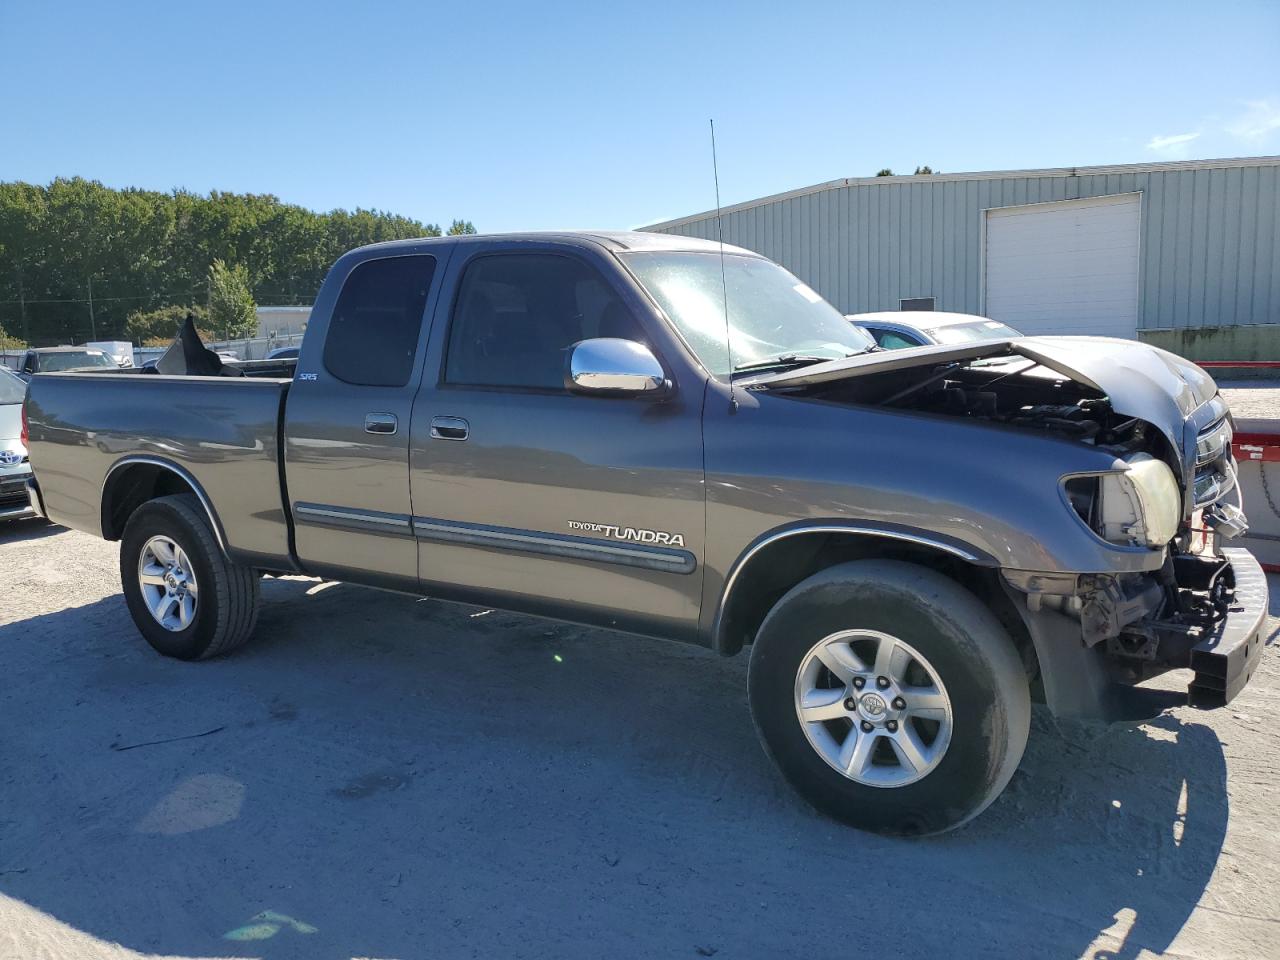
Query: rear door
{"x":532,"y":497}
{"x":347,"y":423}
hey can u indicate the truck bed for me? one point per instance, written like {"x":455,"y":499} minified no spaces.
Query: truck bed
{"x":224,"y":432}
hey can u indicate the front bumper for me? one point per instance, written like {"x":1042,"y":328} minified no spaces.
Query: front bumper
{"x":14,"y":500}
{"x":1096,"y":669}
{"x":1225,"y":659}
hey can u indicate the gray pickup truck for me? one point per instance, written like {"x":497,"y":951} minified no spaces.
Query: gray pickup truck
{"x":915,"y":543}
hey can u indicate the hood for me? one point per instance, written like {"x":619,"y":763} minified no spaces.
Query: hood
{"x":1142,"y":381}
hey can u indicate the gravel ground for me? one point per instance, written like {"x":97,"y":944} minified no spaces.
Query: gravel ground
{"x":1252,"y":399}
{"x":383,"y":776}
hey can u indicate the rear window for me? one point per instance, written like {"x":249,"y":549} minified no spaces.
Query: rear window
{"x":377,"y":322}
{"x":72,"y":360}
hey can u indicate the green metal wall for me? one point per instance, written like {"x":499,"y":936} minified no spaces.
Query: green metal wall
{"x":1210,"y":236}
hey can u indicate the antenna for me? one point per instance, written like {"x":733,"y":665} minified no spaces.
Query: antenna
{"x":724,"y":284}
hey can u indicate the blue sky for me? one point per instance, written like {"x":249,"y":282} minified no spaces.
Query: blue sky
{"x":549,"y":114}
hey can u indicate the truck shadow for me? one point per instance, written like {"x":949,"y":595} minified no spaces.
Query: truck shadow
{"x":28,"y":528}
{"x":379,"y":775}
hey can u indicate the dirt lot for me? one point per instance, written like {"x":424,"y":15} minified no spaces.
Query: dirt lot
{"x":1253,"y":399}
{"x":382,"y":776}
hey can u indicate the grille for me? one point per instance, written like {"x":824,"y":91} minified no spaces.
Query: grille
{"x":1215,"y":469}
{"x":13,"y":489}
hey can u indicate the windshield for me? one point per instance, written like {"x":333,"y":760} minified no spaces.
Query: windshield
{"x":12,"y":388}
{"x":74,"y":360}
{"x":771,"y":313}
{"x":970,"y":332}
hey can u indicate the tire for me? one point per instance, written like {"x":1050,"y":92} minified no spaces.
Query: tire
{"x":224,"y":608}
{"x":945,"y":642}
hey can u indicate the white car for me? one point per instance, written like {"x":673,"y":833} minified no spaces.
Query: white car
{"x":15,"y":469}
{"x":895,"y":329}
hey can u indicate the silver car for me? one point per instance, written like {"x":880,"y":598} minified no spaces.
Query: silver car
{"x":15,"y":468}
{"x":893,"y":330}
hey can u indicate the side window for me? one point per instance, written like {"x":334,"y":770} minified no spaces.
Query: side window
{"x":377,"y":321}
{"x":891,"y":341}
{"x":516,"y":313}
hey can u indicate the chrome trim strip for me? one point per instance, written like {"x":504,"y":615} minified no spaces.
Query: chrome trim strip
{"x":554,"y":545}
{"x":718,"y":624}
{"x":184,"y":474}
{"x":366,"y":521}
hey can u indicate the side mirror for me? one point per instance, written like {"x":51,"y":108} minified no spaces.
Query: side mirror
{"x":610,"y":365}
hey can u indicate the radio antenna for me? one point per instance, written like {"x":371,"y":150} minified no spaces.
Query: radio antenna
{"x":724,"y":284}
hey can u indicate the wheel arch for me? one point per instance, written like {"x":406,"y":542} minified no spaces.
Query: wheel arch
{"x":779,"y":559}
{"x":134,"y":480}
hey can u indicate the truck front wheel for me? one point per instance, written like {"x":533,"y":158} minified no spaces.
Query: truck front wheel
{"x":186,"y":597}
{"x":889,"y":697}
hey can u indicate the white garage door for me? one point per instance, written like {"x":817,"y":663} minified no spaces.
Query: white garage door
{"x":1067,"y":267}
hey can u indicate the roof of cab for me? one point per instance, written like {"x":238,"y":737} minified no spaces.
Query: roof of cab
{"x":616,"y":240}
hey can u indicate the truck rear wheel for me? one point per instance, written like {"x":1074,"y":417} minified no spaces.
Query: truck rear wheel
{"x":186,"y":597}
{"x":889,"y":697}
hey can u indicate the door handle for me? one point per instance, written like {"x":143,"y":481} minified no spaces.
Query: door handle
{"x":449,"y":428}
{"x":385,"y":423}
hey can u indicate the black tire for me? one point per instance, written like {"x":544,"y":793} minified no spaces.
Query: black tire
{"x":966,"y":645}
{"x":227,"y":607}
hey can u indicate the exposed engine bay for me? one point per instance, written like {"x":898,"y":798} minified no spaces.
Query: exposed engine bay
{"x":1013,"y":391}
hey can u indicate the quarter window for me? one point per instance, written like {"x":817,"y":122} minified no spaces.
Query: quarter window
{"x":373,"y":334}
{"x":517,"y":313}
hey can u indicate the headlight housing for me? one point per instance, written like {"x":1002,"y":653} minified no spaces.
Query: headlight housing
{"x":1139,"y":506}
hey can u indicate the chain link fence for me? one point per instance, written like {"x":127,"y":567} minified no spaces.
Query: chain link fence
{"x":253,"y":348}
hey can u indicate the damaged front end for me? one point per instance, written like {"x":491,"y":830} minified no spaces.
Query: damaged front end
{"x":1176,"y":598}
{"x":1098,"y":636}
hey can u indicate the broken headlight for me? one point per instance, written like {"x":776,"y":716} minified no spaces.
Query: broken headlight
{"x":1138,"y":506}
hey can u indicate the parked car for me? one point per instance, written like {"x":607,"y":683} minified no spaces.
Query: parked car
{"x":659,"y":435}
{"x":893,"y":330}
{"x":121,"y":351}
{"x":15,"y":470}
{"x":283,"y":353}
{"x":61,"y":359}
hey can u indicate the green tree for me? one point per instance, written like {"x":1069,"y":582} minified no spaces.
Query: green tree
{"x":153,"y":328}
{"x":923,"y":170}
{"x":231,"y":307}
{"x":886,"y":172}
{"x":78,"y":259}
{"x":461,"y":227}
{"x":10,"y":343}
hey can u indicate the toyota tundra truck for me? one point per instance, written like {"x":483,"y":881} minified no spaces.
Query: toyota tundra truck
{"x":667,"y":437}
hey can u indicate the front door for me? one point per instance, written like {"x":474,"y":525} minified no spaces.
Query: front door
{"x":585,"y":507}
{"x":347,"y":423}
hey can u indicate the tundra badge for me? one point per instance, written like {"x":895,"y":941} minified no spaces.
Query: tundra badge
{"x":630,"y":533}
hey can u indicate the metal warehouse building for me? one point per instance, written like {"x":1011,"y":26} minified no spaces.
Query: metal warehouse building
{"x":1132,"y":250}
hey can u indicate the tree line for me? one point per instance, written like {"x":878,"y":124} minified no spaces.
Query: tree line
{"x":82,"y":261}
